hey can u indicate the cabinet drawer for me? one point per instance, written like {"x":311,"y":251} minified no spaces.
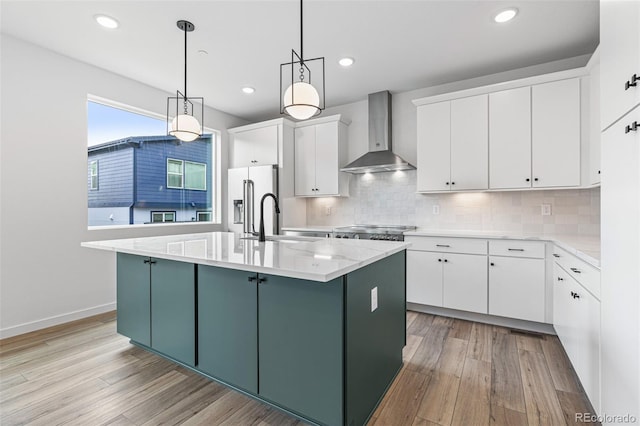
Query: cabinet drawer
{"x":448,"y":245}
{"x":580,"y":270}
{"x":517,"y":248}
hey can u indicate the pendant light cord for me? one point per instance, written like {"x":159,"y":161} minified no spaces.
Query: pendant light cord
{"x":301,"y":45}
{"x":185,"y":63}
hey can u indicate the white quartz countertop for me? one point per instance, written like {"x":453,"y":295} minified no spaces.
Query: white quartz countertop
{"x":316,"y":259}
{"x":586,"y":248}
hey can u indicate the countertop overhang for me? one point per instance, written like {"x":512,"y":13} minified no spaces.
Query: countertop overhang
{"x":315,"y":259}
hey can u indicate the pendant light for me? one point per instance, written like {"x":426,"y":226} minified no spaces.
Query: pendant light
{"x":185,"y":125}
{"x":301,"y":99}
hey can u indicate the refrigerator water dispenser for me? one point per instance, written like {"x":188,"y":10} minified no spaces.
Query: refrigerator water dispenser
{"x":238,"y":211}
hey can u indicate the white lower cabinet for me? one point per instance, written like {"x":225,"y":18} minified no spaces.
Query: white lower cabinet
{"x":517,"y":288}
{"x":445,"y":279}
{"x":576,"y":319}
{"x":424,"y":277}
{"x":465,"y":282}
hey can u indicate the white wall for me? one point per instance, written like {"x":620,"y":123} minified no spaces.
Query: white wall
{"x":46,"y":278}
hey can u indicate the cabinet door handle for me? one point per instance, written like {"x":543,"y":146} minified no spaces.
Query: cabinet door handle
{"x":261,"y":280}
{"x":149,"y":261}
{"x":576,"y":270}
{"x":492,"y":264}
{"x":443,"y":245}
{"x":560,"y":279}
{"x":439,"y":260}
{"x":252,"y":278}
{"x":447,"y":183}
{"x":632,"y":127}
{"x":453,"y":183}
{"x":575,"y":295}
{"x":528,"y":179}
{"x":535,"y":179}
{"x":556,"y":255}
{"x":446,"y":260}
{"x":515,"y":249}
{"x":631,"y":83}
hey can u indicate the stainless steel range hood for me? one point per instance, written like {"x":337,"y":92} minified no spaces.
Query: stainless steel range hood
{"x":380,"y":158}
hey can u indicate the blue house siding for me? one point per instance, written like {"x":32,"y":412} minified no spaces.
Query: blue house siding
{"x":151,"y":172}
{"x":115,"y":177}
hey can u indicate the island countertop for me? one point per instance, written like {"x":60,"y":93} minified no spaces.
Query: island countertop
{"x":316,"y":259}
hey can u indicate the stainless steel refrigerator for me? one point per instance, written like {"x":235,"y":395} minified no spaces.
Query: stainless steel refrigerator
{"x":247,"y":185}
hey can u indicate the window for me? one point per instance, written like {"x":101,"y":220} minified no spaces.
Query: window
{"x":141,"y":171}
{"x":174,"y":173}
{"x":194,"y":175}
{"x":157,"y":217}
{"x":93,"y":172}
{"x":203,"y":216}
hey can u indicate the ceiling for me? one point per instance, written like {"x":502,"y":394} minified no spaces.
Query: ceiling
{"x":397,"y":45}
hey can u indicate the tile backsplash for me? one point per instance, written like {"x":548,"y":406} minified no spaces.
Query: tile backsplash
{"x":391,"y":199}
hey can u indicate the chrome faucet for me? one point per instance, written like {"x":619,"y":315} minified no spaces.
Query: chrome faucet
{"x":261,"y":236}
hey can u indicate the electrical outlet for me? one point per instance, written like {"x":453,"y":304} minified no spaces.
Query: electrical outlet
{"x":546,"y":210}
{"x":374,"y":299}
{"x":436,"y":209}
{"x":327,"y":210}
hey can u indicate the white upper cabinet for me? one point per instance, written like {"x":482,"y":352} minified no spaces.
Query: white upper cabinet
{"x":555,"y":119}
{"x":516,"y":135}
{"x":434,"y":149}
{"x":255,"y":145}
{"x":453,"y":145}
{"x":620,"y":58}
{"x":510,"y":139}
{"x":469,"y":143}
{"x":320,"y":149}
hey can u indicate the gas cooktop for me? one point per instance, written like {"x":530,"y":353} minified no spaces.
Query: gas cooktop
{"x":373,"y":232}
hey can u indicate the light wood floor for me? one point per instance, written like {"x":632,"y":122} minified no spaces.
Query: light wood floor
{"x":455,"y":373}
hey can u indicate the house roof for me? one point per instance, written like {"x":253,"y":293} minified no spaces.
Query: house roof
{"x":136,"y":141}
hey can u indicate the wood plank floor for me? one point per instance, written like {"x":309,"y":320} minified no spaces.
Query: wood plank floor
{"x":455,"y":373}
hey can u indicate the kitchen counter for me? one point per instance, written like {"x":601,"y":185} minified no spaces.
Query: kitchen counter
{"x":315,"y":259}
{"x":586,"y":248}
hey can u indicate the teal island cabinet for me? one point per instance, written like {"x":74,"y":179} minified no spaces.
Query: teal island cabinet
{"x":314,"y":327}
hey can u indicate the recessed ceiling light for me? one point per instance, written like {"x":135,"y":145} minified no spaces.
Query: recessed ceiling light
{"x":107,"y":21}
{"x":346,"y":62}
{"x":248,"y":90}
{"x":506,"y":15}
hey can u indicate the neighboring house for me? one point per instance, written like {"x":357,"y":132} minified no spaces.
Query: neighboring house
{"x":146,"y":179}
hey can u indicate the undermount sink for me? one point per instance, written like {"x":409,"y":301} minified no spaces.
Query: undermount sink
{"x":283,"y":238}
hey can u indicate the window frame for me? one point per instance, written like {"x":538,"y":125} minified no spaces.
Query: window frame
{"x":91,"y":175}
{"x":175,"y":174}
{"x":184,"y":175}
{"x":207,"y":212}
{"x":164,"y":213}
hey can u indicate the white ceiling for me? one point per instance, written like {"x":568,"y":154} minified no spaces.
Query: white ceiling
{"x":398,"y":45}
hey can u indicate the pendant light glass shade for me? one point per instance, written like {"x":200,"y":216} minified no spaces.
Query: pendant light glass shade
{"x":301,"y":101}
{"x":185,"y":127}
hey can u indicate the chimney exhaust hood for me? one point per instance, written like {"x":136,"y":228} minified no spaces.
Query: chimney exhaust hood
{"x":379,"y":158}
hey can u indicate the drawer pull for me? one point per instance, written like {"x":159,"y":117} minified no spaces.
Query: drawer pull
{"x":560,"y":279}
{"x":443,"y":245}
{"x":576,"y":270}
{"x":631,"y":83}
{"x":632,"y":127}
{"x":556,"y":255}
{"x":515,"y":249}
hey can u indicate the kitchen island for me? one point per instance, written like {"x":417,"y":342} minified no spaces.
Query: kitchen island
{"x":312,"y":326}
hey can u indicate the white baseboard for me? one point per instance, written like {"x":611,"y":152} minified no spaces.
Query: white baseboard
{"x":536,"y":327}
{"x":56,"y":320}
